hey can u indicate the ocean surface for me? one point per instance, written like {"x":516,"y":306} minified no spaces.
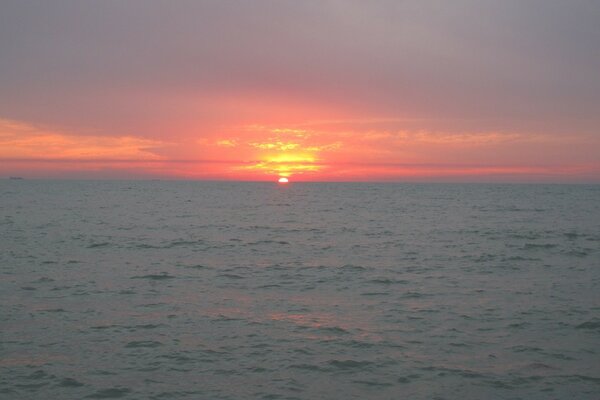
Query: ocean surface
{"x":226,"y":290}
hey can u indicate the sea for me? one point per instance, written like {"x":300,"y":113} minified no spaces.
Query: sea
{"x":246,"y":290}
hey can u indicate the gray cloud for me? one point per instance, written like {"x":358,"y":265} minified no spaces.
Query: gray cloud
{"x":524,"y":65}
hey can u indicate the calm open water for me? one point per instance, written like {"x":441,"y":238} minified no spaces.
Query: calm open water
{"x":213,"y":290}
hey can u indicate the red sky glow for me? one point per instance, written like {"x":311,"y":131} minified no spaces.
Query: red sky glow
{"x":313,"y":91}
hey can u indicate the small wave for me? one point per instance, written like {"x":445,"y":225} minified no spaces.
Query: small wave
{"x":539,"y":366}
{"x":177,"y":243}
{"x":527,"y":349}
{"x":465,"y":373}
{"x":282,"y":242}
{"x":584,"y":378}
{"x":178,"y":358}
{"x":412,"y":295}
{"x":104,"y":327}
{"x":98,"y":245}
{"x":528,"y":236}
{"x":518,"y":325}
{"x":146,"y":246}
{"x":39,"y":374}
{"x":155,"y":277}
{"x":308,"y":367}
{"x":359,"y":344}
{"x":349,"y":364}
{"x":408,"y":378}
{"x":486,"y":257}
{"x":196,"y":266}
{"x":375,"y":294}
{"x":225,"y":318}
{"x":231,"y":276}
{"x":573,"y":235}
{"x":334,"y":329}
{"x":151,"y":305}
{"x":515,"y":382}
{"x":167,"y":245}
{"x":520,"y":258}
{"x":352,"y":267}
{"x":387,"y":281}
{"x":258,"y":369}
{"x":111,"y":393}
{"x":533,"y":246}
{"x":577,"y":252}
{"x":590,"y":325}
{"x":372,"y":383}
{"x":143,"y":344}
{"x":70,"y":382}
{"x":146,"y":326}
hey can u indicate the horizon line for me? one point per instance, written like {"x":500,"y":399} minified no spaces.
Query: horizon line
{"x":237,"y":180}
{"x":319,"y":163}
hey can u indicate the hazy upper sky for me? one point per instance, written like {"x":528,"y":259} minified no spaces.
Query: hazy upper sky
{"x":401,"y":90}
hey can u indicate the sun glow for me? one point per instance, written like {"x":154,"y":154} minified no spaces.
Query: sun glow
{"x":282,"y":151}
{"x":283,"y":180}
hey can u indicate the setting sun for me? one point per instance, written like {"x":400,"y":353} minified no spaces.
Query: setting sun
{"x":283,"y":180}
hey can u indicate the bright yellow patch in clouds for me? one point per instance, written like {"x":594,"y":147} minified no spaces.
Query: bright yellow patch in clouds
{"x":22,"y":140}
{"x":349,"y":150}
{"x":276,"y":146}
{"x":283,"y":151}
{"x":226,"y":143}
{"x":286,"y":164}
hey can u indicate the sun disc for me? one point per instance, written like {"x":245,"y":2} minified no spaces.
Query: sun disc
{"x":283,"y":179}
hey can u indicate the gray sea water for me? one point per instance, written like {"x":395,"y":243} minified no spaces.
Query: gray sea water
{"x":215,"y":290}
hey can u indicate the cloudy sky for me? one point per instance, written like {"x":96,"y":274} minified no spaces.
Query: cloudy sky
{"x":313,"y":90}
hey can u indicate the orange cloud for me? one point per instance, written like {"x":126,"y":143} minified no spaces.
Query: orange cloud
{"x":324,"y":151}
{"x":22,"y":140}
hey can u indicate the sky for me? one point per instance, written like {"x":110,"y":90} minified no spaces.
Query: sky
{"x":328,"y":90}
